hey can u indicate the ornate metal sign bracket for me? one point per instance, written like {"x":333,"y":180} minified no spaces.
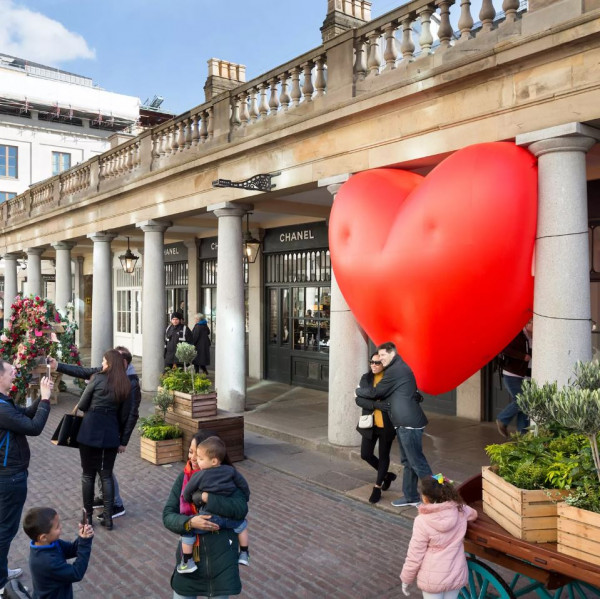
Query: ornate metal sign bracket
{"x":260,"y":182}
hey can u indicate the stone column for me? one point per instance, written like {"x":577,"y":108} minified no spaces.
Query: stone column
{"x":348,"y":355}
{"x":193,"y":271}
{"x":153,"y":303}
{"x":64,"y":290}
{"x":230,"y":359}
{"x":11,"y":288}
{"x":79,"y":310}
{"x":102,"y":306}
{"x":256,"y":313}
{"x":562,"y":316}
{"x":34,"y":271}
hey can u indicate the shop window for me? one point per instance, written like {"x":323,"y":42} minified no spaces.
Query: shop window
{"x":124,"y":311}
{"x":61,"y":161}
{"x":6,"y":195}
{"x":9,"y":161}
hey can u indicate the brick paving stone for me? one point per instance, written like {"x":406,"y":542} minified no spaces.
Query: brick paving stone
{"x":305,"y":541}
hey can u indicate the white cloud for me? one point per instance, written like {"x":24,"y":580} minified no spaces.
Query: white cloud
{"x":36,"y":37}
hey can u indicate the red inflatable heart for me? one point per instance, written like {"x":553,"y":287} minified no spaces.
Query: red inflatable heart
{"x":441,"y":265}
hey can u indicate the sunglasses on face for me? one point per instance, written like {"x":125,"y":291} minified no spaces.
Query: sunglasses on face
{"x":375,"y":362}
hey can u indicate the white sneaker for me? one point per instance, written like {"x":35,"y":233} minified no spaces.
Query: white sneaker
{"x":14,"y":573}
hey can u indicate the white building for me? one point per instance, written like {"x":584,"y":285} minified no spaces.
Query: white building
{"x":51,"y":120}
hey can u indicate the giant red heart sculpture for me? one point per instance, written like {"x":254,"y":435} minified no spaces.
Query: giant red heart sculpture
{"x":441,"y":265}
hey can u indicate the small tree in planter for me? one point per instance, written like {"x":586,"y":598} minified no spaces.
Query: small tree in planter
{"x":160,"y":443}
{"x":186,"y":353}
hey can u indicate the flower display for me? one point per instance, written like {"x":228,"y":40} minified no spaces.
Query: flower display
{"x":29,"y":335}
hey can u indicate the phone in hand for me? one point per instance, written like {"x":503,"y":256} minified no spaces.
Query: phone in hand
{"x":84,"y":518}
{"x":48,"y":369}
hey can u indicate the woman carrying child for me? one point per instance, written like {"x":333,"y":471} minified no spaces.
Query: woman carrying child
{"x":436,"y":557}
{"x":217,"y":574}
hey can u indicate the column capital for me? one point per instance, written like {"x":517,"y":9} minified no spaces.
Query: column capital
{"x":35,"y":251}
{"x":101,"y":236}
{"x":64,"y":245}
{"x":570,"y":137}
{"x":11,"y":256}
{"x":154,"y":226}
{"x":334,"y":183}
{"x":229,"y":209}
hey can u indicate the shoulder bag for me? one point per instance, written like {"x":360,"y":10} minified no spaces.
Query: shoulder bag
{"x":67,"y":430}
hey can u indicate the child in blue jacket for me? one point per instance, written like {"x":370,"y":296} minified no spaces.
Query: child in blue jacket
{"x":52,"y":575}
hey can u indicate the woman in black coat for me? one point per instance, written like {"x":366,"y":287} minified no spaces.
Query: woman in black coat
{"x":382,"y":431}
{"x":106,"y":404}
{"x":201,"y":341}
{"x":176,"y":333}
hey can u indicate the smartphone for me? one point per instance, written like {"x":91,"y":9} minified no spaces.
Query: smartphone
{"x":84,"y":519}
{"x":48,"y":370}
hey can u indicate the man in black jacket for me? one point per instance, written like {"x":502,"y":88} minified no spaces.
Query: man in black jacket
{"x":398,"y":388}
{"x":136,"y":398}
{"x":16,"y":423}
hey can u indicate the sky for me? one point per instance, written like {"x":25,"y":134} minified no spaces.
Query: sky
{"x":146,"y":47}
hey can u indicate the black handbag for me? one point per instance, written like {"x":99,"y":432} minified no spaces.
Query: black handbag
{"x":67,"y":430}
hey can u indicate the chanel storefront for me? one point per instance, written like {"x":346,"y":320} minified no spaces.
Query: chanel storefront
{"x":297,"y":280}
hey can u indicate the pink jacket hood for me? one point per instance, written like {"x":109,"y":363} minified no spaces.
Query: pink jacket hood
{"x":436,"y":557}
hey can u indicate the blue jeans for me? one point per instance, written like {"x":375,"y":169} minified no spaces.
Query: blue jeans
{"x":13,"y":492}
{"x":415,"y":466}
{"x":513,"y":385}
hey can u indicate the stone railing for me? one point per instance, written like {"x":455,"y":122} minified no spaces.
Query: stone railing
{"x":42,"y":196}
{"x":374,"y":56}
{"x":399,"y":36}
{"x":300,"y":81}
{"x":189,"y":130}
{"x":122,"y":160}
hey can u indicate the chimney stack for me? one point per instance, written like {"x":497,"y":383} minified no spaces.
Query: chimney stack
{"x":223,"y":75}
{"x":343,"y":15}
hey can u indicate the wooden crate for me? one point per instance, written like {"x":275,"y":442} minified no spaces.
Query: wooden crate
{"x":227,"y":425}
{"x":161,"y":452}
{"x":527,"y":515}
{"x":579,"y":533}
{"x":195,"y":406}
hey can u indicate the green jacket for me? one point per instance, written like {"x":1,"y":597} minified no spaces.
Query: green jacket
{"x":218,"y":571}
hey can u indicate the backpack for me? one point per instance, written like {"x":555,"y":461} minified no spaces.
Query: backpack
{"x":15,"y":590}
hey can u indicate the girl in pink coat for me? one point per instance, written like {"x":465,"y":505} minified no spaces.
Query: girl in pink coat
{"x":436,"y":558}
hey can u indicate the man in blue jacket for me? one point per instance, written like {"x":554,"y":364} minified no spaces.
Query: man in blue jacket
{"x":16,"y":423}
{"x":398,"y":388}
{"x":136,"y":398}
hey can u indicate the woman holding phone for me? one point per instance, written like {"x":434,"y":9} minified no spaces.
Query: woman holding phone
{"x":106,"y":404}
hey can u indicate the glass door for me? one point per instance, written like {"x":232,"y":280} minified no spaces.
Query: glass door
{"x":278,"y":364}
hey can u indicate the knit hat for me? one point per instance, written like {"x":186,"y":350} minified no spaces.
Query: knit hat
{"x":177,"y":315}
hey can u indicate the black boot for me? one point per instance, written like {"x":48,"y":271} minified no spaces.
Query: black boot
{"x":108,"y":492}
{"x":87,"y":491}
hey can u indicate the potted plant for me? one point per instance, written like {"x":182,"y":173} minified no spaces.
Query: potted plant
{"x":160,"y":443}
{"x":527,"y":479}
{"x":192,"y":393}
{"x":576,"y":407}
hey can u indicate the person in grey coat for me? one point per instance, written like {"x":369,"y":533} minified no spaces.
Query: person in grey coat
{"x":201,"y":341}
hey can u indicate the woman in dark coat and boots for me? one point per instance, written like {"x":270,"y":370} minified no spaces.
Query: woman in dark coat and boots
{"x":201,"y":341}
{"x":382,"y":431}
{"x":106,"y":404}
{"x":176,"y":333}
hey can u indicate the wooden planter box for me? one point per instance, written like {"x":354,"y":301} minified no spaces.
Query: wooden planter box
{"x":579,"y":533}
{"x":34,"y":388}
{"x":527,"y":515}
{"x":161,"y":452}
{"x":229,"y":427}
{"x":195,"y":405}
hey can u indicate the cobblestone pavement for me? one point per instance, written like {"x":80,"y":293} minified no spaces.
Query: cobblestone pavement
{"x":306,"y":541}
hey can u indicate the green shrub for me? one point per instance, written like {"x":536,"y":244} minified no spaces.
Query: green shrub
{"x":586,"y":497}
{"x":162,"y":432}
{"x":176,"y":379}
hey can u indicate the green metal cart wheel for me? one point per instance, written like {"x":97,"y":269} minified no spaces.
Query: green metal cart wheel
{"x":484,"y":583}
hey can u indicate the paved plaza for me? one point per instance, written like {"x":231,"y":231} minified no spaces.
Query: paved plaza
{"x":306,"y":540}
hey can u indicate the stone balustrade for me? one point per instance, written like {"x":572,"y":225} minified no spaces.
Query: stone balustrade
{"x":187,"y":131}
{"x":320,"y":81}
{"x":421,"y":28}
